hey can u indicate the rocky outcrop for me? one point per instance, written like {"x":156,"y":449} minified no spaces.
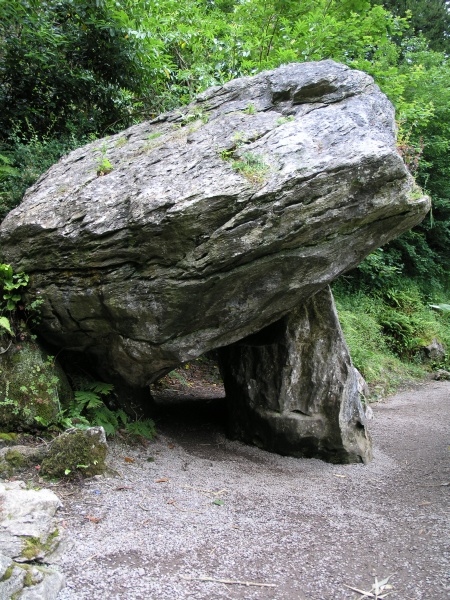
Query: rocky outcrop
{"x":434,"y":352}
{"x":292,"y":388}
{"x":28,"y":536}
{"x":214,"y":221}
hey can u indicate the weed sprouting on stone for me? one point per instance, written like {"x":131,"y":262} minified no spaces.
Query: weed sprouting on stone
{"x":250,"y":110}
{"x":121,"y":142}
{"x":283,"y":120}
{"x":251,"y":166}
{"x":104,"y":166}
{"x":197,"y":115}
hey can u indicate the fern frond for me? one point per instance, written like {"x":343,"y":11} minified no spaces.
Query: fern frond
{"x":105,"y":418}
{"x":145,"y":428}
{"x":99,"y":387}
{"x":122,"y":416}
{"x":88,"y":399}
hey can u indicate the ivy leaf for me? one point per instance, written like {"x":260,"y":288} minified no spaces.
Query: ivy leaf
{"x":5,"y":324}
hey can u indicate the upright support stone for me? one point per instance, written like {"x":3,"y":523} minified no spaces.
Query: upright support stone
{"x":292,"y":388}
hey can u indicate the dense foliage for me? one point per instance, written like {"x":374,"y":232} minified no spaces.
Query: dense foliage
{"x":73,"y":70}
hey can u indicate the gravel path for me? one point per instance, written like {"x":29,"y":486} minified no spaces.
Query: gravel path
{"x":194,"y":504}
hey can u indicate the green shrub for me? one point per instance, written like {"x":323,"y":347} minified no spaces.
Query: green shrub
{"x":29,"y":158}
{"x":386,"y":330}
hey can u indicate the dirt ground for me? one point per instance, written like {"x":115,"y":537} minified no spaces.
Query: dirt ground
{"x":193,"y":508}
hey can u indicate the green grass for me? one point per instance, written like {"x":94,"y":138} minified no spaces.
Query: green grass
{"x":386,"y":330}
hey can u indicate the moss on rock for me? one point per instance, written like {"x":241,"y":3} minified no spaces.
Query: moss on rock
{"x":8,"y":439}
{"x":19,"y":458}
{"x":7,"y":574}
{"x":15,"y":459}
{"x":80,"y":452}
{"x":32,"y":388}
{"x":36,"y":548}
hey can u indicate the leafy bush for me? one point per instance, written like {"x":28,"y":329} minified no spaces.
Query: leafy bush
{"x":386,"y":328}
{"x":28,"y":159}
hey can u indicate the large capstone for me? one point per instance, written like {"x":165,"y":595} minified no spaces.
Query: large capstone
{"x":212,"y":222}
{"x":292,"y":387}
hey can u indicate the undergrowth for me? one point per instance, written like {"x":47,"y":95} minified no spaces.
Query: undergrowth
{"x":24,"y":158}
{"x":387,"y":330}
{"x":89,"y":409}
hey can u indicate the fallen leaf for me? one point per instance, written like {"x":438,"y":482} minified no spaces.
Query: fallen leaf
{"x":128,"y":459}
{"x":171,"y":501}
{"x":123,"y":487}
{"x":162,"y":480}
{"x":218,"y":502}
{"x":424,"y":503}
{"x":171,"y":446}
{"x":93,"y":519}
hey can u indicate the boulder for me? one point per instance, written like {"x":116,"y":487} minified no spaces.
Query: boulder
{"x":214,"y":221}
{"x":77,"y":451}
{"x":28,"y":529}
{"x":441,"y":375}
{"x":28,"y":535}
{"x":434,"y":352}
{"x":292,"y":387}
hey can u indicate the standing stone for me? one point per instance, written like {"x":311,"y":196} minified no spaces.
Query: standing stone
{"x":292,"y":388}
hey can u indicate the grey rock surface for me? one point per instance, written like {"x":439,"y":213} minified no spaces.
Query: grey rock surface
{"x":48,"y":589}
{"x":28,"y":534}
{"x":216,"y":220}
{"x":12,"y":579}
{"x":292,"y":387}
{"x":27,"y":515}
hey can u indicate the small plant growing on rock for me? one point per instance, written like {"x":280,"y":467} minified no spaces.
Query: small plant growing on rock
{"x":11,"y":288}
{"x":283,"y":120}
{"x":121,"y":142}
{"x":197,"y":115}
{"x":104,"y":166}
{"x":250,"y":110}
{"x":251,"y":166}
